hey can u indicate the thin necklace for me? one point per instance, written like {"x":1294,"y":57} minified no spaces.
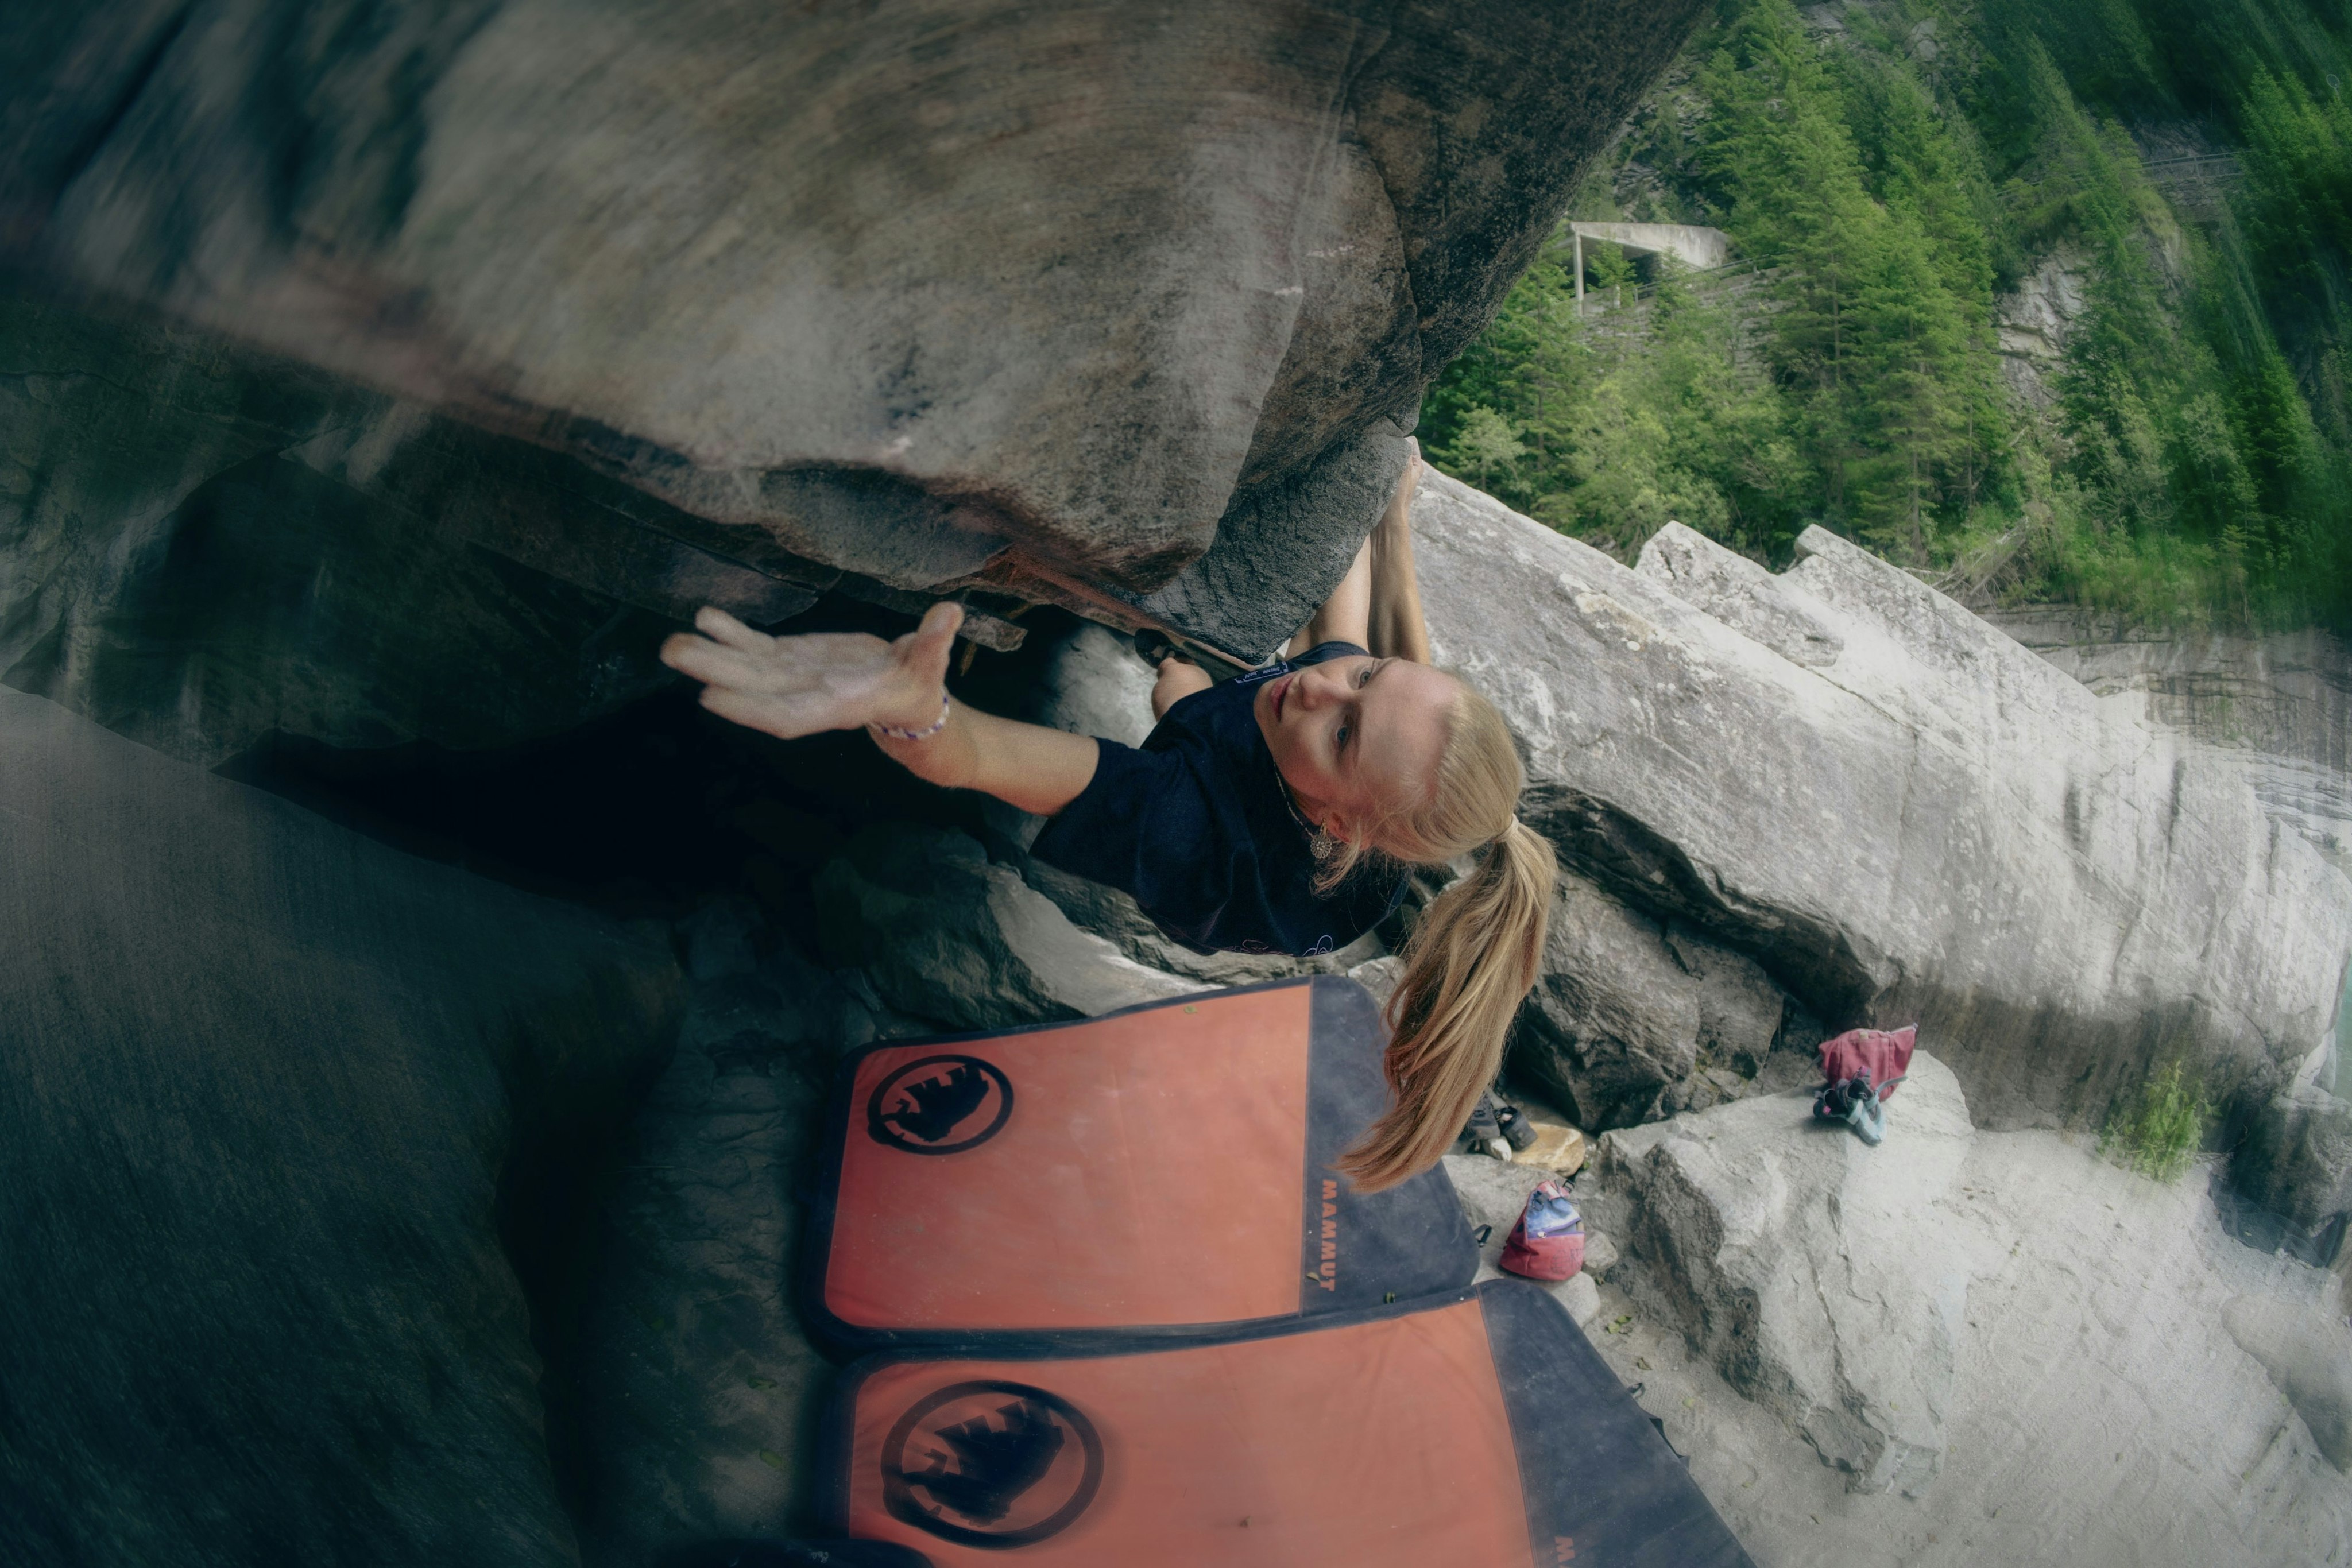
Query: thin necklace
{"x":1282,"y":784}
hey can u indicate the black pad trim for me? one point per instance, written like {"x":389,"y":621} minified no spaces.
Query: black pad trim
{"x":1599,"y":1481}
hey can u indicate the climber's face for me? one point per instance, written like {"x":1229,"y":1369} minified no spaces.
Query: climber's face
{"x":1358,"y":740}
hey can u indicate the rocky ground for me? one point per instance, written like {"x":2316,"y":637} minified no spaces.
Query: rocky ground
{"x":2128,"y":1385}
{"x":2119,"y":1380}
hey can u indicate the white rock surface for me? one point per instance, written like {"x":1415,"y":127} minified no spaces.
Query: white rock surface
{"x":1935,"y":827}
{"x":2035,"y":321}
{"x":2126,"y":1385}
{"x":2308,"y":1354}
{"x":1580,"y":1296}
{"x":1807,"y":1265}
{"x":1741,"y":594}
{"x":2277,"y":707}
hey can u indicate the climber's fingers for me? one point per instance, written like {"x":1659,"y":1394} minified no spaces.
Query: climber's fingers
{"x":791,"y":686}
{"x":841,"y":661}
{"x":722,"y":627}
{"x":922,"y":654}
{"x":713,"y":663}
{"x":786,"y":717}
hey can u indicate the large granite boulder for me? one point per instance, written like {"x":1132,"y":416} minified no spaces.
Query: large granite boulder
{"x":291,"y":1124}
{"x":2129,"y":1383}
{"x":2278,"y":707}
{"x":1900,"y":814}
{"x":1052,"y":296}
{"x":1808,"y":1266}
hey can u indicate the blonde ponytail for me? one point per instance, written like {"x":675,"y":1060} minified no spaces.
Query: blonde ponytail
{"x":1474,"y":956}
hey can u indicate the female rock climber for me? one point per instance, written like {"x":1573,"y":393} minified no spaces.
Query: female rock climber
{"x":1273,"y":812}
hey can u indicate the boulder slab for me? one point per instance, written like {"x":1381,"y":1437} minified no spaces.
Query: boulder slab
{"x":1809,"y":1266}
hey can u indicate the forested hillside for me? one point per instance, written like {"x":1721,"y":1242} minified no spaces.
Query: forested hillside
{"x":2047,"y":299}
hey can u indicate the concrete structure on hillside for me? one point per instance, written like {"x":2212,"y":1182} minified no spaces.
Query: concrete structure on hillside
{"x":1696,"y":247}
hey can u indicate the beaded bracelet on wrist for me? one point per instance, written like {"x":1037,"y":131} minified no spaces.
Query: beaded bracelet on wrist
{"x":895,"y":733}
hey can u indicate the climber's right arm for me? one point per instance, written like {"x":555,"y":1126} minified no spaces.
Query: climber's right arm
{"x":1023,"y":764}
{"x":791,"y":686}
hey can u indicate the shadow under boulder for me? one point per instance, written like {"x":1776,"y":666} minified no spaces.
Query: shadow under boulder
{"x":272,"y":1089}
{"x":1634,"y":1019}
{"x":942,"y":932}
{"x":695,"y":1415}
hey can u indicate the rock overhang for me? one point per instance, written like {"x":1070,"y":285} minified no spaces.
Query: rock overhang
{"x":1122,"y":309}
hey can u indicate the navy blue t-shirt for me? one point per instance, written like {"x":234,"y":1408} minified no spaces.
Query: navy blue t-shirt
{"x":1197,"y":828}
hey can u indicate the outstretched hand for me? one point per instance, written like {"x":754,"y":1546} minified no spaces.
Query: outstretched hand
{"x":791,"y":686}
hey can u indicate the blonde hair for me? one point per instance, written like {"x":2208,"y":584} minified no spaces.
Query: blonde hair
{"x":1473,"y":955}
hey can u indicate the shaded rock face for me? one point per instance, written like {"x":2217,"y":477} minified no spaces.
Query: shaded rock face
{"x":698,"y":1392}
{"x":1057,"y":296}
{"x":2296,"y":1162}
{"x":1805,"y":1264}
{"x":274,"y":1094}
{"x":1631,"y":1021}
{"x":202,"y":546}
{"x":940,"y":932}
{"x":1935,"y":826}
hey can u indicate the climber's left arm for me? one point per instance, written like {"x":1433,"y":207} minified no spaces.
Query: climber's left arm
{"x":1377,"y":604}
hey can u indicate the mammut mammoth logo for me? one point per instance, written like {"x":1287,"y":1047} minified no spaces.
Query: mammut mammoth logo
{"x":990,"y":1464}
{"x":940,"y":1106}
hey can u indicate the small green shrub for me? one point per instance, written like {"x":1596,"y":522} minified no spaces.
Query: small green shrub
{"x":2154,"y":1130}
